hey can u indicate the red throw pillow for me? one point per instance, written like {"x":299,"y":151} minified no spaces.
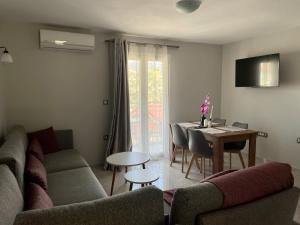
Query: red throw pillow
{"x":46,"y":138}
{"x":35,"y":171}
{"x":35,"y":148}
{"x":36,"y":197}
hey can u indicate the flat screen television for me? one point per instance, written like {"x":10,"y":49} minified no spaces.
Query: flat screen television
{"x":260,"y":71}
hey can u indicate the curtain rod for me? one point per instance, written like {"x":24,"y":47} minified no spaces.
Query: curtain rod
{"x":145,"y":43}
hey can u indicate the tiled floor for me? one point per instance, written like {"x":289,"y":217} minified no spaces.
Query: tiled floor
{"x":171,"y":177}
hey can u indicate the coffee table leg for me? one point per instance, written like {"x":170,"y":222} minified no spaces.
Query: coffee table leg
{"x":113,"y":180}
{"x":126,"y":170}
{"x":130,"y":186}
{"x":144,"y":166}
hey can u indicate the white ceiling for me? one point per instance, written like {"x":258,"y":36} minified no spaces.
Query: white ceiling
{"x":216,"y":21}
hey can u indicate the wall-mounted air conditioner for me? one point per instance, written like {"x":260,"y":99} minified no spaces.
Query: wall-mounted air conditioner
{"x":66,"y":40}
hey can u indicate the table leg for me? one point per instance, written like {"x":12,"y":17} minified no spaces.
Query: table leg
{"x":130,"y":186}
{"x":113,"y":180}
{"x":218,"y":156}
{"x":144,"y":166}
{"x":252,"y":150}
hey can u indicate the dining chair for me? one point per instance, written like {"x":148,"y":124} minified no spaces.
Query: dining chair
{"x":179,"y":139}
{"x":219,"y":121}
{"x":200,"y":148}
{"x":236,"y":147}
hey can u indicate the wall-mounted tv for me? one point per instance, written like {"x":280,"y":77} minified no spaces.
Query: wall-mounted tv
{"x":260,"y":71}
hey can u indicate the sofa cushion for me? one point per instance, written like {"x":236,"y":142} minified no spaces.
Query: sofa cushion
{"x":11,"y":200}
{"x":253,"y":183}
{"x":46,"y":138}
{"x":13,"y":152}
{"x":76,"y":185}
{"x":36,"y":197}
{"x":35,"y":149}
{"x":35,"y":171}
{"x":64,"y":160}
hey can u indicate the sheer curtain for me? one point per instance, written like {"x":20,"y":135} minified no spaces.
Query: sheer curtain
{"x":148,"y":76}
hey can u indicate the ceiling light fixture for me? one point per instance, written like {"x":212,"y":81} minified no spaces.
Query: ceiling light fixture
{"x":6,"y":57}
{"x":187,"y":6}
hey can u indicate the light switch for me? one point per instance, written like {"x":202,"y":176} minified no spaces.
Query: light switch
{"x":105,"y":102}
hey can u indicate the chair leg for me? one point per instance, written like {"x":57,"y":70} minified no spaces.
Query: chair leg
{"x":230,"y":160}
{"x":197,"y":163}
{"x":190,"y":165}
{"x":242,"y":160}
{"x":173,"y":156}
{"x":182,"y":160}
{"x":204,"y":167}
{"x":186,"y":152}
{"x":201,"y":169}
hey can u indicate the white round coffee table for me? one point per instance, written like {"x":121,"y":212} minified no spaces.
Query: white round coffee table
{"x":143,"y":177}
{"x":126,"y":159}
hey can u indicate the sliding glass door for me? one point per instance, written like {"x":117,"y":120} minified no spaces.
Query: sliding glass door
{"x":148,"y":91}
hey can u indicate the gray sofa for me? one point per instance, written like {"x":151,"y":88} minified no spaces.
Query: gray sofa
{"x":79,"y":198}
{"x":76,"y":193}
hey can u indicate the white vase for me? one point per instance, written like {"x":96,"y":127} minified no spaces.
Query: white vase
{"x":205,"y":122}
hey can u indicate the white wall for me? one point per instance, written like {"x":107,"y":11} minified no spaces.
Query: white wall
{"x":2,"y":93}
{"x":57,"y":88}
{"x":195,"y":72}
{"x":66,"y":89}
{"x":273,"y":110}
{"x":2,"y":104}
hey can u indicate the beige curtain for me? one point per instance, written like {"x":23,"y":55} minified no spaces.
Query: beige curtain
{"x":120,"y":134}
{"x":148,"y":90}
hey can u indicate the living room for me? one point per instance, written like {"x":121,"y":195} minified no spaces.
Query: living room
{"x":75,"y":90}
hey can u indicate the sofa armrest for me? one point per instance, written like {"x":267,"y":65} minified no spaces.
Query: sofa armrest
{"x":140,"y":207}
{"x":191,"y":201}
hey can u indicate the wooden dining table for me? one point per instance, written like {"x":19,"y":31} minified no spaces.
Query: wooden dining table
{"x":218,"y":140}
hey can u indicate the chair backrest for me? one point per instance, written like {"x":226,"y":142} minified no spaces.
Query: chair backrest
{"x":241,"y":125}
{"x":240,"y":144}
{"x":219,"y":121}
{"x":198,"y":144}
{"x":178,"y":136}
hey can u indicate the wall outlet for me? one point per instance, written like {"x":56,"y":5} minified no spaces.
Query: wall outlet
{"x":105,"y":102}
{"x":298,"y":140}
{"x":262,"y":134}
{"x":105,"y":137}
